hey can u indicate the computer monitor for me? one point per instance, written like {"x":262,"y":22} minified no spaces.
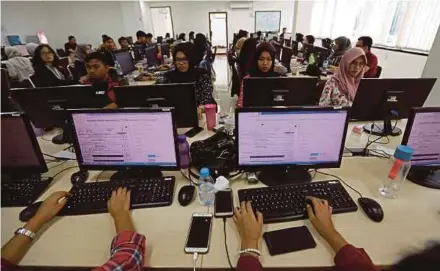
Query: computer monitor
{"x":151,"y":53}
{"x":125,"y":61}
{"x":33,"y":39}
{"x":165,"y":49}
{"x":386,"y":99}
{"x":14,"y":40}
{"x":422,"y":133}
{"x":135,"y":142}
{"x":20,"y":153}
{"x":46,"y":106}
{"x":286,"y":57}
{"x":180,"y":96}
{"x":283,"y":142}
{"x":280,"y":91}
{"x":138,"y":52}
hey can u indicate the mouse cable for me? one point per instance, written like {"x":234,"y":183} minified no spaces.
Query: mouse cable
{"x":62,"y":163}
{"x":195,"y":256}
{"x":342,"y":181}
{"x":99,"y":175}
{"x":58,"y":158}
{"x":191,"y":182}
{"x":226,"y":244}
{"x":53,"y":177}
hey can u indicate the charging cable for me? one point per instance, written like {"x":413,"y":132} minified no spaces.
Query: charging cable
{"x":195,"y":256}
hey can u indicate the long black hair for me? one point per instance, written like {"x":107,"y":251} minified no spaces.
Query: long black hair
{"x":38,"y":61}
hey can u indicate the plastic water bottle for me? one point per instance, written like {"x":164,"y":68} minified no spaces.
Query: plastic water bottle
{"x":118,"y":68}
{"x":206,"y":188}
{"x":399,"y":166}
{"x":183,"y":151}
{"x":325,"y":64}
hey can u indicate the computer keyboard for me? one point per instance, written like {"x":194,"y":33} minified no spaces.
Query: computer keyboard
{"x":91,"y":198}
{"x":288,"y":202}
{"x":22,"y":192}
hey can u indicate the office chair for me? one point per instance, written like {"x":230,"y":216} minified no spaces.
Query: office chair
{"x":379,"y":71}
{"x":277,"y":51}
{"x":61,"y":52}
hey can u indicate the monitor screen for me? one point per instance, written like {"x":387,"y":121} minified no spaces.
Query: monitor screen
{"x":14,"y":40}
{"x":424,"y":138}
{"x":291,"y":137}
{"x":17,"y":149}
{"x":151,"y":53}
{"x":126,"y":61}
{"x":125,"y":139}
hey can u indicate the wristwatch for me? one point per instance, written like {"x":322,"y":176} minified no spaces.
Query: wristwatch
{"x":25,"y":232}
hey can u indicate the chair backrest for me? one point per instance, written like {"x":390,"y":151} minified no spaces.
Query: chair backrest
{"x":286,"y":57}
{"x":379,"y":71}
{"x":61,"y":52}
{"x":277,"y":51}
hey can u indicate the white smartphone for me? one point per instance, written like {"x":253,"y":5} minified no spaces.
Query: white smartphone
{"x":199,"y":233}
{"x":224,"y":205}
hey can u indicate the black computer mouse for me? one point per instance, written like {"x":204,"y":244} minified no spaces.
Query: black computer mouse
{"x":29,"y":211}
{"x":371,"y":208}
{"x":186,"y":194}
{"x":79,"y":177}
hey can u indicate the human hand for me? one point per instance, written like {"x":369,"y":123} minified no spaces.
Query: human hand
{"x":333,"y":69}
{"x":249,"y":226}
{"x":320,"y":216}
{"x":119,"y":203}
{"x":83,"y":79}
{"x":49,"y":208}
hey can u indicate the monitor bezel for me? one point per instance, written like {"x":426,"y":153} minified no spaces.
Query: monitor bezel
{"x":335,"y":164}
{"x":409,"y":125}
{"x":42,"y":167}
{"x":82,"y":166}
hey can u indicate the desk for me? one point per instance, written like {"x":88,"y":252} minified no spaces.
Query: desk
{"x":410,"y":221}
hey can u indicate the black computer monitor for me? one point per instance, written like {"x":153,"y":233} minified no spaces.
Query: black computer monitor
{"x":151,"y":53}
{"x":180,"y":96}
{"x":286,"y":57}
{"x":422,"y":133}
{"x":283,"y":142}
{"x":165,"y":49}
{"x":125,"y":61}
{"x":20,"y":153}
{"x":387,"y":99}
{"x":46,"y":106}
{"x":138,"y":52}
{"x":135,"y":142}
{"x":280,"y":91}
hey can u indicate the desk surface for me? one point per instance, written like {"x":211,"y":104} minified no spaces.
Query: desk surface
{"x":410,"y":221}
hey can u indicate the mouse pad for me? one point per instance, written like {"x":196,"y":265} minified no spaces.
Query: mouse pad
{"x":289,"y":240}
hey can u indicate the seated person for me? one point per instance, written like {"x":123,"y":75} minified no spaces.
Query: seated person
{"x":347,"y":256}
{"x":82,"y":51}
{"x":264,"y":65}
{"x":127,"y":249}
{"x":19,"y":67}
{"x":107,"y":48}
{"x":341,"y":88}
{"x":365,"y":43}
{"x":98,"y":76}
{"x":342,"y":44}
{"x":309,"y":40}
{"x":124,"y":44}
{"x":48,"y":72}
{"x":186,"y":72}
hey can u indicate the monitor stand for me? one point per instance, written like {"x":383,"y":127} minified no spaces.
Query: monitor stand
{"x":281,"y":176}
{"x":384,"y":129}
{"x":66,"y":136}
{"x":425,"y":176}
{"x":128,"y":174}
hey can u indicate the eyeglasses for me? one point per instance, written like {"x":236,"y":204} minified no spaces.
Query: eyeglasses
{"x":182,"y":60}
{"x":46,"y":53}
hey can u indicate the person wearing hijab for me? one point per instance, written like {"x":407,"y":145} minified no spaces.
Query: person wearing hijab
{"x":342,"y":44}
{"x":239,"y":45}
{"x":263,"y":66}
{"x":82,"y":50}
{"x":48,"y":73}
{"x":186,"y":72}
{"x":341,"y":88}
{"x":19,"y":67}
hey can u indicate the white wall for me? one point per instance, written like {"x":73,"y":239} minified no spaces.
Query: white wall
{"x":432,"y":69}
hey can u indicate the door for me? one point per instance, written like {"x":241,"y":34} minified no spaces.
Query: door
{"x":218,"y":29}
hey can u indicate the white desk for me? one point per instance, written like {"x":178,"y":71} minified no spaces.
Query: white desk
{"x":410,"y":221}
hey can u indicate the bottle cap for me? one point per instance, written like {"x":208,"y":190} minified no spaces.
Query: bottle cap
{"x":403,"y":153}
{"x":181,"y":138}
{"x":204,"y":172}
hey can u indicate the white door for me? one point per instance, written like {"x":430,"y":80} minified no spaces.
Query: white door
{"x":218,"y":26}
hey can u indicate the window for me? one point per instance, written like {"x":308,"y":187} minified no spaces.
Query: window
{"x":162,"y":21}
{"x":403,"y":24}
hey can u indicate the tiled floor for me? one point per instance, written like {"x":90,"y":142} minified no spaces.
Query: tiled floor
{"x":221,"y":84}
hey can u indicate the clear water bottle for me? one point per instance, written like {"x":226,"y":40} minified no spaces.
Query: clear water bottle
{"x":206,"y":188}
{"x":118,"y":68}
{"x":183,"y":151}
{"x":399,"y":166}
{"x":325,"y":64}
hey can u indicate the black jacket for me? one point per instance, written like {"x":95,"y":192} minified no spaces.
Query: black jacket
{"x":43,"y":77}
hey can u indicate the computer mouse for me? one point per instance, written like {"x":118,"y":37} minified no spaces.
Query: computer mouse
{"x":29,"y":211}
{"x":186,"y":194}
{"x":79,"y":177}
{"x":371,"y":208}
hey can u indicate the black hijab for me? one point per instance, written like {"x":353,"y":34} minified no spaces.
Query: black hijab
{"x":193,"y":73}
{"x":255,"y":71}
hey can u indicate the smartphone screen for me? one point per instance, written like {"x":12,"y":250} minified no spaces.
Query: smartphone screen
{"x":223,"y":203}
{"x":198,"y":236}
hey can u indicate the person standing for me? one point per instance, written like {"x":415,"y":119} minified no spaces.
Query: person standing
{"x":365,"y":44}
{"x":70,"y":46}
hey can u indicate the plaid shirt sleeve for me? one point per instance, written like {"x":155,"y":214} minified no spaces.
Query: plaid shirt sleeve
{"x":127,"y":253}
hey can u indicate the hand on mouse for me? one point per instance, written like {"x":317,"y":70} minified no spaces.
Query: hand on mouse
{"x":249,"y":226}
{"x":119,"y":208}
{"x":48,"y":209}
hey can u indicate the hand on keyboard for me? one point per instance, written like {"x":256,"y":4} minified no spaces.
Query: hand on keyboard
{"x":320,"y":216}
{"x":119,"y":203}
{"x":249,"y":225}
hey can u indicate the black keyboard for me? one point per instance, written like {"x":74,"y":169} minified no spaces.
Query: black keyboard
{"x":288,"y":202}
{"x":91,"y":198}
{"x":22,"y":192}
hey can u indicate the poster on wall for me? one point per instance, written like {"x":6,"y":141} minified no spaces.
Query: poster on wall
{"x":42,"y":37}
{"x":267,"y":21}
